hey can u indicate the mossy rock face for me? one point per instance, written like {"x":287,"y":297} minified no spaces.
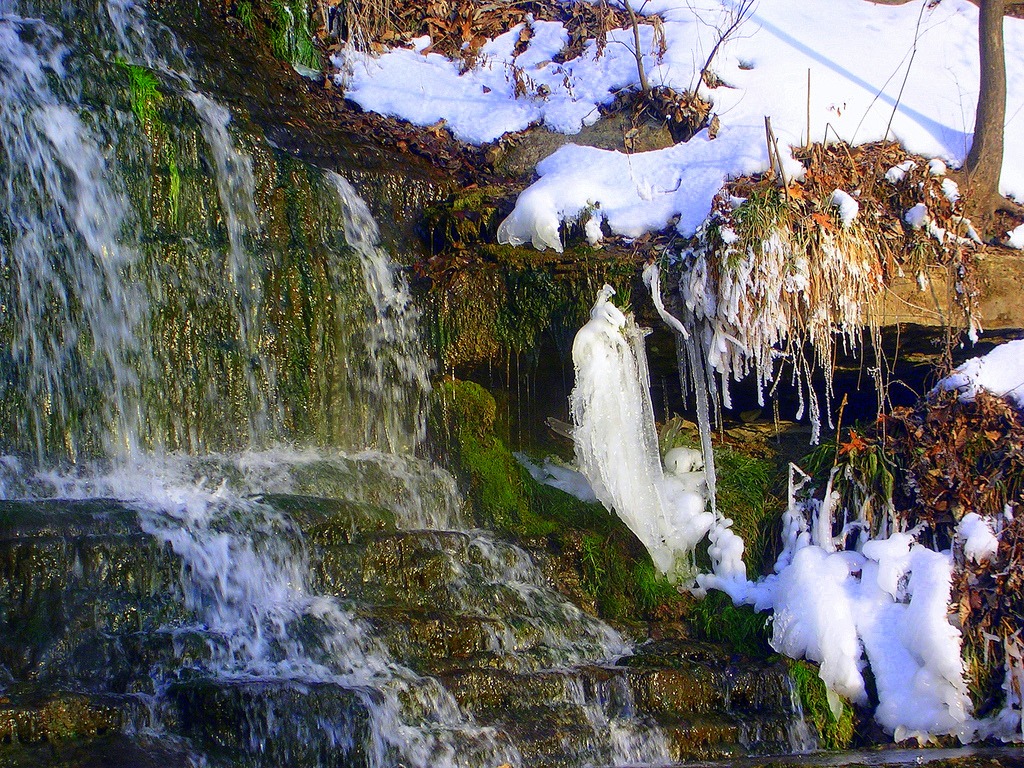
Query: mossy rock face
{"x":55,"y":719}
{"x":465,"y":412}
{"x":501,"y":300}
{"x":587,"y":552}
{"x":466,"y":218}
{"x":114,"y":751}
{"x":832,"y":732}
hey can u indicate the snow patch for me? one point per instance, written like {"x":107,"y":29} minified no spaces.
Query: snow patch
{"x":897,"y":173}
{"x":1015,"y":238}
{"x":1000,"y":372}
{"x":847,"y":205}
{"x":980,"y":544}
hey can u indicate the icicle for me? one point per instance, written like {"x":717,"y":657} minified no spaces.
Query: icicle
{"x":617,"y":447}
{"x":699,"y":381}
{"x":652,"y":279}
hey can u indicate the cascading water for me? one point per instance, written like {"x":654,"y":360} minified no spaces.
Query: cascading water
{"x":70,"y":319}
{"x":396,"y":370}
{"x":169,"y":329}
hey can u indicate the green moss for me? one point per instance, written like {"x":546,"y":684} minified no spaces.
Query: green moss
{"x":290,"y":38}
{"x":618,"y":575}
{"x":143,"y":93}
{"x":616,"y":572}
{"x":743,"y":629}
{"x":832,"y":733}
{"x":466,"y":412}
{"x":465,"y":218}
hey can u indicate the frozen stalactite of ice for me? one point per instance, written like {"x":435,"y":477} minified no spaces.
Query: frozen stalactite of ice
{"x":757,"y":297}
{"x":726,"y":547}
{"x":617,"y":445}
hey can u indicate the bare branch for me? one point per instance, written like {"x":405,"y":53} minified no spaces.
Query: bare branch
{"x":736,"y":17}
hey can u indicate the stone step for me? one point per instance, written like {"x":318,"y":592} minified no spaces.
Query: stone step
{"x":670,"y":674}
{"x":276,"y":723}
{"x":33,"y":716}
{"x":553,"y":735}
{"x":724,"y":736}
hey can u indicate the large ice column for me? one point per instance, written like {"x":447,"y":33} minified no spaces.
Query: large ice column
{"x":617,"y":444}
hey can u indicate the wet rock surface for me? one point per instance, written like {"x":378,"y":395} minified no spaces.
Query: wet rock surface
{"x":117,"y":651}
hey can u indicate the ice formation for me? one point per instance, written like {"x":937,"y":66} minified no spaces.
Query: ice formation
{"x":617,"y":445}
{"x":883,"y":604}
{"x":884,"y":607}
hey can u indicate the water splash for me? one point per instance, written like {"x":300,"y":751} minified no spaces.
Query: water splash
{"x":245,"y":577}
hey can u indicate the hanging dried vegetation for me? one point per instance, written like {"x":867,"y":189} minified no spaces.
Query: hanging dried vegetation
{"x":784,"y":272}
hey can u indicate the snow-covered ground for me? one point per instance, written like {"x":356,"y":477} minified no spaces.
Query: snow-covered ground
{"x":908,"y":72}
{"x":1001,"y":372}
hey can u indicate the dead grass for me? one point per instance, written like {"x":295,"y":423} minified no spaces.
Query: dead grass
{"x":778,"y":277}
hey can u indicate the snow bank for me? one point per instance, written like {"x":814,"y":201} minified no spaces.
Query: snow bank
{"x":504,"y":92}
{"x":863,"y":83}
{"x":1001,"y":372}
{"x":635,"y":193}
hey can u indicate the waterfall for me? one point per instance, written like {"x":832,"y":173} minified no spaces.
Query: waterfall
{"x":135,"y":327}
{"x":71,"y":318}
{"x":399,"y":377}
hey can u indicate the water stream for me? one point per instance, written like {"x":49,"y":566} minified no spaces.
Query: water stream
{"x":218,"y":524}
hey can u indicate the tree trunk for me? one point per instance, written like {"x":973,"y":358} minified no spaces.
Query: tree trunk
{"x":985,"y":160}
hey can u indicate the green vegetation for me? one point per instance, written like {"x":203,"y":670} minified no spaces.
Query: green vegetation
{"x":761,"y":214}
{"x":744,"y":496}
{"x":290,"y":37}
{"x":143,"y":93}
{"x":832,"y":733}
{"x":743,"y":629}
{"x":614,"y":570}
{"x":244,"y":14}
{"x":466,"y":413}
{"x":465,"y":218}
{"x":145,"y":99}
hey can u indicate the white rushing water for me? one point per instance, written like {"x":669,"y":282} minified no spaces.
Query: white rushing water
{"x":65,"y":215}
{"x":245,"y":576}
